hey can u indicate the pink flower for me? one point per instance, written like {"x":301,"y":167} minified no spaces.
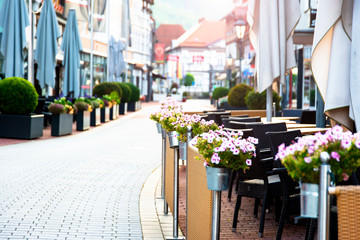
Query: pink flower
{"x":205,"y":164}
{"x":248,"y":162}
{"x":236,"y":151}
{"x":357,"y":143}
{"x":336,"y":156}
{"x":307,"y":159}
{"x":345,"y":177}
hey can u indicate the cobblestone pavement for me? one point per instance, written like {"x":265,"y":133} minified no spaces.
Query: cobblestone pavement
{"x":83,"y":186}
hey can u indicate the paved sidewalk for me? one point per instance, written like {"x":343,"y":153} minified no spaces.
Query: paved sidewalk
{"x":83,"y":186}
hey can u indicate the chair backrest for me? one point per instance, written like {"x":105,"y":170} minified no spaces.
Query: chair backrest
{"x":218,"y":115}
{"x":308,"y":117}
{"x":237,"y":116}
{"x":241,"y":125}
{"x":246,"y":119}
{"x":260,"y":130}
{"x":289,"y":186}
{"x":215,"y":110}
{"x":292,"y":112}
{"x":205,"y":117}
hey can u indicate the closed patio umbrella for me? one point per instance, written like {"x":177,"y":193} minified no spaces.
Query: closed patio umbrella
{"x":272,"y":23}
{"x":335,"y":59}
{"x":71,"y":45}
{"x":116,"y":58}
{"x":46,"y":45}
{"x":13,"y":20}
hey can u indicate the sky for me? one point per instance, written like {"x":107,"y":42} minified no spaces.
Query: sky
{"x":188,"y":12}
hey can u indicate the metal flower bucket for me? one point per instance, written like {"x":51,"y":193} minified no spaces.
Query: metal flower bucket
{"x":218,"y":179}
{"x":309,"y":200}
{"x":173,"y":139}
{"x":182,"y":150}
{"x":158,"y":126}
{"x":163,"y":133}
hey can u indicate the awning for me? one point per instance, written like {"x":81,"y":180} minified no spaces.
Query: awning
{"x":155,"y":75}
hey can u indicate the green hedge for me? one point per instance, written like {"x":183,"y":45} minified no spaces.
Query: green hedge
{"x":237,"y":94}
{"x":135,"y":92}
{"x":255,"y":100}
{"x":220,"y":92}
{"x":126,"y":92}
{"x":17,"y":96}
{"x":106,"y":88}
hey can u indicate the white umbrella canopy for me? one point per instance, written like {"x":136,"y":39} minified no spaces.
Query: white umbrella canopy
{"x":272,"y":24}
{"x":334,"y":60}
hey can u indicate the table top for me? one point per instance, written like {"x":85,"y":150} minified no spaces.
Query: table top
{"x":311,"y":131}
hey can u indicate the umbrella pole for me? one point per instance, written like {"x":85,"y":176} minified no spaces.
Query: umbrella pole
{"x":269,"y":105}
{"x":31,"y":46}
{"x":108,"y":40}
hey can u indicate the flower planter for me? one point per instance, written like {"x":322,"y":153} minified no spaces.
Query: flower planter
{"x":116,"y":110}
{"x":218,"y":179}
{"x":83,"y":120}
{"x":123,"y":108}
{"x":105,"y":114}
{"x":21,"y":126}
{"x":309,"y":200}
{"x":95,"y":118}
{"x":61,"y":124}
{"x":173,"y":139}
{"x":112,"y":113}
{"x":182,"y":150}
{"x":158,"y":127}
{"x":134,"y":106}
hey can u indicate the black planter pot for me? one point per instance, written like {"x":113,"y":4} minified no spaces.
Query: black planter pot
{"x":83,"y":120}
{"x":123,"y":108}
{"x":61,"y":124}
{"x":112,"y":112}
{"x":21,"y":126}
{"x":95,"y":118}
{"x":105,"y":114}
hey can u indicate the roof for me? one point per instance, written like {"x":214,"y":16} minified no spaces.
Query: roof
{"x":165,"y":33}
{"x":203,"y":34}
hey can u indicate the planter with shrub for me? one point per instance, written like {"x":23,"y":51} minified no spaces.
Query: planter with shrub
{"x":95,"y":118}
{"x":18,"y":99}
{"x":125,"y":98}
{"x":134,"y":103}
{"x":84,"y":110}
{"x":237,"y":95}
{"x":255,"y":100}
{"x":105,"y":110}
{"x":114,"y":110}
{"x":61,"y":117}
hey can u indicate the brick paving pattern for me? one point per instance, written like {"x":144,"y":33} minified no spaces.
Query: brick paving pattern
{"x":83,"y":186}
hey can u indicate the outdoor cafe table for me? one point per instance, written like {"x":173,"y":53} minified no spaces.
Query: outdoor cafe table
{"x":312,"y":131}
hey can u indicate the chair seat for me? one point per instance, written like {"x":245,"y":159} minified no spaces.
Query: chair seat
{"x":255,"y":187}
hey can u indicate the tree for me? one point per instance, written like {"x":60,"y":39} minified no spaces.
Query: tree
{"x":188,"y":80}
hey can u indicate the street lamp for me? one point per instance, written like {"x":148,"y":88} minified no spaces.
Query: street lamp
{"x":240,"y":26}
{"x":229,"y":63}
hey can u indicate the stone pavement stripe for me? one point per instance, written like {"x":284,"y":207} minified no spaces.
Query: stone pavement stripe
{"x":83,"y":186}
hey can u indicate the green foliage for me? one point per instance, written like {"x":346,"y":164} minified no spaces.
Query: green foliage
{"x":237,"y":94}
{"x":135,"y":92}
{"x":126,"y":92}
{"x":96,"y":102}
{"x":255,"y":100}
{"x":220,"y":92}
{"x":83,"y":104}
{"x":17,"y":96}
{"x":188,"y":80}
{"x":106,"y":88}
{"x":67,"y":106}
{"x":115,"y":97}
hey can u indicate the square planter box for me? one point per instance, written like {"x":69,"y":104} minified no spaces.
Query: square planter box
{"x":117,"y":110}
{"x":123,"y":108}
{"x":113,"y":112}
{"x":95,"y":118}
{"x":105,"y":114}
{"x":21,"y":126}
{"x":61,"y":124}
{"x":83,"y":120}
{"x":134,"y":106}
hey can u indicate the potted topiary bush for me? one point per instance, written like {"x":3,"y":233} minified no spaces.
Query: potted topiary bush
{"x":95,"y":118}
{"x":218,"y":93}
{"x":255,"y":100}
{"x":62,"y":111}
{"x":84,"y":109}
{"x":115,"y":100}
{"x":18,"y":99}
{"x":134,"y":103}
{"x":237,"y":94}
{"x":125,"y":98}
{"x":107,"y":88}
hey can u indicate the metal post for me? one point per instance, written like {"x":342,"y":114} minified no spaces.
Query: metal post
{"x":324,"y":200}
{"x":188,"y":139}
{"x":240,"y":75}
{"x":108,"y":40}
{"x":320,"y":116}
{"x":163,"y":156}
{"x":269,"y":100}
{"x":31,"y":45}
{"x":176,"y":194}
{"x":215,"y":220}
{"x":91,"y":46}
